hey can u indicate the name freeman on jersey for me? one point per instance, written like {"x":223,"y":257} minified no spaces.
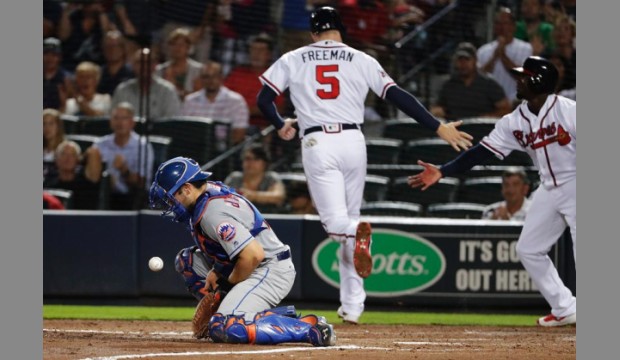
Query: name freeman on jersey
{"x":319,"y":55}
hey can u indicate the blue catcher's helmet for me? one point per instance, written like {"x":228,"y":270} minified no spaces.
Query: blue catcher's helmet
{"x":169,"y":178}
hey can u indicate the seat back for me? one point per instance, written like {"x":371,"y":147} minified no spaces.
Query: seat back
{"x":391,"y":208}
{"x":376,"y":187}
{"x":483,"y":190}
{"x":442,"y":192}
{"x":456,"y":210}
{"x":70,"y":123}
{"x":434,"y":151}
{"x":406,"y":129}
{"x":85,"y":141}
{"x":478,"y":127}
{"x":383,"y":150}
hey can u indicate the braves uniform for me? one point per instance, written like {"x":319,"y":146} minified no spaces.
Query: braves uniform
{"x":328,"y":83}
{"x":550,"y":138}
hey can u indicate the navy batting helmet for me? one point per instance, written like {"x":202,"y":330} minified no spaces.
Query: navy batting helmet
{"x":169,"y":178}
{"x":543,"y":75}
{"x":325,"y":18}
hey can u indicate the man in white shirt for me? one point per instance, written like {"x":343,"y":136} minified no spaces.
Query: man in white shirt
{"x":504,"y":53}
{"x":515,"y":187}
{"x":218,"y":102}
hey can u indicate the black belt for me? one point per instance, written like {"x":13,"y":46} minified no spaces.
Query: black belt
{"x":283,"y":255}
{"x":331,"y":128}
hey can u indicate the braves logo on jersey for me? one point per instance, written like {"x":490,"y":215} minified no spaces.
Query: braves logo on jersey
{"x":546,"y":135}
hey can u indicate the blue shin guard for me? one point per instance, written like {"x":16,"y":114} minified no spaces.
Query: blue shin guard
{"x":271,"y":329}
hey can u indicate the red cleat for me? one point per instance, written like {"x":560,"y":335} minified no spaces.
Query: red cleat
{"x":361,"y":256}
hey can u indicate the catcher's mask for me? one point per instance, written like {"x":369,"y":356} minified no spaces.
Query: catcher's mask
{"x":169,"y":178}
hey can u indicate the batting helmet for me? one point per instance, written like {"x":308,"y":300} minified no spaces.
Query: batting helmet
{"x":325,"y":18}
{"x":543,"y":75}
{"x":169,"y":178}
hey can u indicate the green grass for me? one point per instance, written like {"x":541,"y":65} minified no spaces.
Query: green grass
{"x":369,"y":317}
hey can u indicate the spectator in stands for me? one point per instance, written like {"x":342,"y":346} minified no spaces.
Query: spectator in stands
{"x":367,"y":23}
{"x":553,"y":10}
{"x":115,"y":69}
{"x":128,"y":158}
{"x":51,"y":202}
{"x":81,"y":176}
{"x":263,"y":188}
{"x":180,"y":69}
{"x":219,"y":103}
{"x":560,"y":64}
{"x":52,"y":12}
{"x":86,"y":101}
{"x":295,"y":22}
{"x":532,"y":28}
{"x":469,"y":93}
{"x":244,"y":79}
{"x":515,"y":188}
{"x":570,"y":9}
{"x":57,"y":85}
{"x":198,"y":16}
{"x":564,"y":32}
{"x":81,"y":31}
{"x":299,"y":200}
{"x":504,"y":53}
{"x":237,"y":21}
{"x":53,"y":135}
{"x":163,"y":97}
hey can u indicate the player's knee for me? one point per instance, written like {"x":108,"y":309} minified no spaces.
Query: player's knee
{"x":192,"y":267}
{"x":523,"y":252}
{"x":337,"y":227}
{"x":228,"y":329}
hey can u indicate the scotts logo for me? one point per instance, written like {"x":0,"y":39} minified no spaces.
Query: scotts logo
{"x":403,"y":263}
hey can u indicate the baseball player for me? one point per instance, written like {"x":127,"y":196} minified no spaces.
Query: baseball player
{"x":328,"y":83}
{"x":545,"y":127}
{"x":236,"y":249}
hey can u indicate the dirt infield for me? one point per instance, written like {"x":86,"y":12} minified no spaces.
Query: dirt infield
{"x":112,"y":340}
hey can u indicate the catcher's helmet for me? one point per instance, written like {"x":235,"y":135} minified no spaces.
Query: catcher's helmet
{"x":325,"y":18}
{"x":543,"y":75}
{"x":169,"y":178}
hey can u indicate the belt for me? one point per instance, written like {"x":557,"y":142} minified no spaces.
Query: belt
{"x":331,"y":128}
{"x":283,"y":255}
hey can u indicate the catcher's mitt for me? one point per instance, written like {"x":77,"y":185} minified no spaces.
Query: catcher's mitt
{"x":204,"y":310}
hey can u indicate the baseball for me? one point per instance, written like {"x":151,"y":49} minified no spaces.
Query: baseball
{"x":156,"y":263}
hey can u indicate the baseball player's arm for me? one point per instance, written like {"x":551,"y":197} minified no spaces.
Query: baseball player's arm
{"x":461,"y":164}
{"x":265,"y":102}
{"x":247,"y":260}
{"x":408,"y":104}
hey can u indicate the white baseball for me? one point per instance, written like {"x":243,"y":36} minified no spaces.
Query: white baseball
{"x":156,"y":263}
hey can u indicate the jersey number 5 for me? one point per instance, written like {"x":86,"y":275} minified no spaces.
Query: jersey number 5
{"x":324,"y":79}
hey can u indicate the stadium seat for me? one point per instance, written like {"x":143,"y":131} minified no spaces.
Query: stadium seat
{"x":484,"y":190}
{"x":406,"y":129}
{"x":478,"y":127}
{"x":94,"y":125}
{"x":391,"y":208}
{"x":65,"y":196}
{"x":515,"y":158}
{"x":383,"y":150}
{"x":455,"y":210}
{"x":191,"y":136}
{"x":160,"y":148}
{"x":434,"y":151}
{"x":442,"y":192}
{"x":85,"y":141}
{"x":393,"y":170}
{"x":70,"y":123}
{"x":376,"y":187}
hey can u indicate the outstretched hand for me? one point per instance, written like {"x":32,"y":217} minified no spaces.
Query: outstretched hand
{"x":287,"y":132}
{"x":457,"y":139}
{"x":426,"y":178}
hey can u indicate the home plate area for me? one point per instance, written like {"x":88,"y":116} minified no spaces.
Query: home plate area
{"x":116,"y":340}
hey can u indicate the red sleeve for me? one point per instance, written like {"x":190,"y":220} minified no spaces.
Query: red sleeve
{"x":51,"y":202}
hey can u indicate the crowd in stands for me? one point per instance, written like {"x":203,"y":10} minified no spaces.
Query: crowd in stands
{"x":127,"y":60}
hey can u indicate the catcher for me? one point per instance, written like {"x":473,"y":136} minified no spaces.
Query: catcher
{"x":239,"y":269}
